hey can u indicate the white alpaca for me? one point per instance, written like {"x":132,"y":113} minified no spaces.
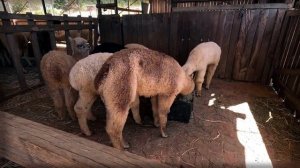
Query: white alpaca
{"x":203,"y":58}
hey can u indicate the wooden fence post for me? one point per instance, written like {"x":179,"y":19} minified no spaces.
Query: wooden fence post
{"x":96,"y":31}
{"x":35,"y":45}
{"x":15,"y":57}
{"x":51,"y":33}
{"x":91,"y":32}
{"x":67,"y":35}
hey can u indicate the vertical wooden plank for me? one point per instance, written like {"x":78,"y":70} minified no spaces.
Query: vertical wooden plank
{"x":16,"y":57}
{"x":139,"y":28}
{"x":146,"y":19}
{"x":118,"y":30}
{"x":247,"y":34}
{"x":294,"y":55}
{"x":135,"y":28}
{"x":79,"y":23}
{"x":35,"y":45}
{"x":96,"y":31}
{"x":174,"y":36}
{"x":289,"y":34}
{"x":215,"y":15}
{"x":224,"y":36}
{"x":161,"y":32}
{"x":291,"y":50}
{"x":184,"y":32}
{"x":110,"y":29}
{"x":236,"y":42}
{"x":51,"y":33}
{"x":256,"y":56}
{"x":268,"y":70}
{"x":165,"y":31}
{"x":257,"y":66}
{"x":240,"y":46}
{"x":151,"y":30}
{"x":91,"y":32}
{"x":126,"y":30}
{"x":288,"y":42}
{"x":67,"y":35}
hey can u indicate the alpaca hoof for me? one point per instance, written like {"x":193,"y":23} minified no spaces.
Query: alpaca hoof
{"x":92,"y":118}
{"x":126,"y":145}
{"x":87,"y":133}
{"x":73,"y":117}
{"x":164,"y":135}
{"x":156,"y":124}
{"x":198,"y":94}
{"x":25,"y":71}
{"x":207,"y":87}
{"x":138,"y":122}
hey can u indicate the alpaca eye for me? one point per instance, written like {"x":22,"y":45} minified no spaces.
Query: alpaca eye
{"x":80,"y":46}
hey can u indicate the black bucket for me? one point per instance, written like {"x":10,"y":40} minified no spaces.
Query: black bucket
{"x":180,"y":111}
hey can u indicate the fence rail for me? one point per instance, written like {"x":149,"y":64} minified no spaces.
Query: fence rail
{"x":167,"y":6}
{"x":36,"y":23}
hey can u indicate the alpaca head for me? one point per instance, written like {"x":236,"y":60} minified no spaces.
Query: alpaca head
{"x":80,"y":47}
{"x":188,"y":69}
{"x":189,"y":85}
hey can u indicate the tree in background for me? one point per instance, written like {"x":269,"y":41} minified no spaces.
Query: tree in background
{"x":59,"y":4}
{"x":18,"y":6}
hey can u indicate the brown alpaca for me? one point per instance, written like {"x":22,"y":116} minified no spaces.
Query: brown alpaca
{"x":131,"y":73}
{"x":203,"y":59}
{"x":55,"y":68}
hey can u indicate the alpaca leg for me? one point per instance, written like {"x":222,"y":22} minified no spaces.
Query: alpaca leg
{"x":164,"y":105}
{"x":115,"y":121}
{"x":210,"y":73}
{"x":59,"y":102}
{"x":135,"y":109}
{"x":199,"y":81}
{"x":83,"y":110}
{"x":154,"y":102}
{"x":70,"y":99}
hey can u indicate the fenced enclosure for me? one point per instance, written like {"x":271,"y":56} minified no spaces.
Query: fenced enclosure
{"x":247,"y":37}
{"x":234,"y":123}
{"x":32,"y":24}
{"x":259,"y":43}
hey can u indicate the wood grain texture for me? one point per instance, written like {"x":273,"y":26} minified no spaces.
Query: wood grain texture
{"x":35,"y":145}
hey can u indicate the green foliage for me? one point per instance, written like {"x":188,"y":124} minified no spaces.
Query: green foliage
{"x":59,"y":4}
{"x":19,"y":6}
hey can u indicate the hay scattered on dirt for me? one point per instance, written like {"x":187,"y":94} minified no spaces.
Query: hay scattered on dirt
{"x":271,"y":115}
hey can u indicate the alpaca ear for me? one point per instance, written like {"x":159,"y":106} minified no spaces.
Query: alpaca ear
{"x":79,"y":34}
{"x":71,"y":40}
{"x":72,"y":43}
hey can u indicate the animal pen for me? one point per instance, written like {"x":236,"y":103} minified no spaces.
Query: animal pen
{"x":249,"y":116}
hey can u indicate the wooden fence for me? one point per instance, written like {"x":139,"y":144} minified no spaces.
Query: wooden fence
{"x":7,"y":29}
{"x":287,"y":73}
{"x":167,"y":6}
{"x":248,"y":37}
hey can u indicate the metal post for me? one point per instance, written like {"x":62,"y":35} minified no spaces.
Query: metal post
{"x":44,"y":7}
{"x":116,"y":6}
{"x":99,"y":9}
{"x":3,"y":4}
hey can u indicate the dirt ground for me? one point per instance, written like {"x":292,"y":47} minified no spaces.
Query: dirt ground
{"x":9,"y":81}
{"x":235,"y":124}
